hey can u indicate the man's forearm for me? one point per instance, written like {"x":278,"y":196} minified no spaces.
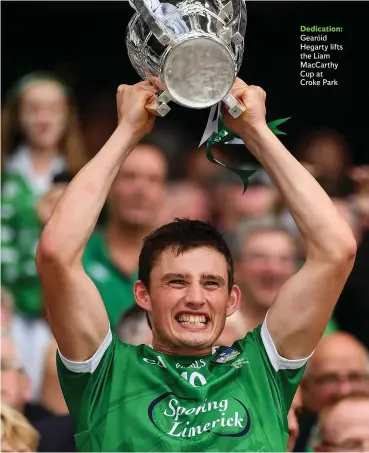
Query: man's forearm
{"x":320,"y":224}
{"x":76,"y":214}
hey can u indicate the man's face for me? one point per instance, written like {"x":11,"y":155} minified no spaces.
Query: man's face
{"x":293,"y":425}
{"x":43,"y":114}
{"x":137,"y":193}
{"x":267,"y":262}
{"x":337,"y":368}
{"x":14,"y":383}
{"x":189,"y":300}
{"x":346,"y":427}
{"x":327,"y":155}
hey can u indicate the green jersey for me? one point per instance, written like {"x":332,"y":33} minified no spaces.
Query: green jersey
{"x":20,"y":232}
{"x":133,"y":398}
{"x":116,"y":288}
{"x":21,"y":228}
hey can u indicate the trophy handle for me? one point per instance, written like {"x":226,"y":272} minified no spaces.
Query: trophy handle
{"x":160,"y":106}
{"x":235,"y":108}
{"x":160,"y":33}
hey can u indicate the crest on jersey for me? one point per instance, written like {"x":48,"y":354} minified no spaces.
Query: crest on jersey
{"x":226,"y":356}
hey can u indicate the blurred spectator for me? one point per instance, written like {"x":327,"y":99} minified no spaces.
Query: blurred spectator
{"x":15,"y":385}
{"x":40,"y":137}
{"x":264,"y":260}
{"x":16,"y":433}
{"x":12,"y":337}
{"x":293,"y":424}
{"x":344,"y":425}
{"x":133,"y":209}
{"x":339,"y":366}
{"x":326,"y":154}
{"x":56,"y":432}
{"x":185,"y":199}
{"x":133,"y":327}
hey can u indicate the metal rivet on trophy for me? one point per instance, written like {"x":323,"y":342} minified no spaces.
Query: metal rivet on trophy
{"x":191,"y":50}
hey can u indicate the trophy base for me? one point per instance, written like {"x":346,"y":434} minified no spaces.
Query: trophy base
{"x":198,"y":72}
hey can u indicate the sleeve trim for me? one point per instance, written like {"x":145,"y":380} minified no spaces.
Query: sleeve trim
{"x":278,"y":362}
{"x":90,"y":365}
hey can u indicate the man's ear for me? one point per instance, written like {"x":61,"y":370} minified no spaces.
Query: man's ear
{"x":234,"y":300}
{"x":142,"y":296}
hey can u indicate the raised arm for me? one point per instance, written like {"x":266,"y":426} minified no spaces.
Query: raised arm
{"x":75,"y":310}
{"x":304,"y":304}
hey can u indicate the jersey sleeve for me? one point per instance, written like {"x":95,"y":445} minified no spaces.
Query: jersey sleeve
{"x":86,"y":386}
{"x":284,"y":374}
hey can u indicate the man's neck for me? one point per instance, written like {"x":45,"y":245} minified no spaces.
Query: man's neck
{"x":185,"y":351}
{"x":124,"y":244}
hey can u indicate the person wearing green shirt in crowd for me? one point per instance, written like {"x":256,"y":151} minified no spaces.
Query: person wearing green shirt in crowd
{"x":40,"y":138}
{"x":179,"y":394}
{"x":135,"y":199}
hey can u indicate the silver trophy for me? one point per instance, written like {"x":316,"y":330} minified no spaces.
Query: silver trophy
{"x":191,"y":50}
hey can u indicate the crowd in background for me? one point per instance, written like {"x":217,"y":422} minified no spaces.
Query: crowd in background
{"x":43,"y":147}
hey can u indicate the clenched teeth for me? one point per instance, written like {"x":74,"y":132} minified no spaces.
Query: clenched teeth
{"x":192,"y":319}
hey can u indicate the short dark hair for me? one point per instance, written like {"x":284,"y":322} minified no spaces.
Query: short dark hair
{"x":182,"y":235}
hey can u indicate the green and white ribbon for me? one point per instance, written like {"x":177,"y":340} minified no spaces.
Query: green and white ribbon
{"x":216,"y":132}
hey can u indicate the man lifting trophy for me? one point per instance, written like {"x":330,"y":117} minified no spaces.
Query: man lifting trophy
{"x":182,"y":393}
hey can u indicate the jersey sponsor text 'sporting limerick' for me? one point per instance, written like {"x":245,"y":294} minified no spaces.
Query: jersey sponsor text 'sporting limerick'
{"x":133,"y":398}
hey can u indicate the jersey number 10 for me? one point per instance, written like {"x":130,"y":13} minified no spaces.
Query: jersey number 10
{"x":193,"y":376}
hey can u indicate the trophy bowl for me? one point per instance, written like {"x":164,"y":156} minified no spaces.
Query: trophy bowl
{"x":191,"y":50}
